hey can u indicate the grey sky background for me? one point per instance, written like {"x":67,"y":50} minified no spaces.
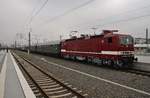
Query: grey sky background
{"x":59,"y":17}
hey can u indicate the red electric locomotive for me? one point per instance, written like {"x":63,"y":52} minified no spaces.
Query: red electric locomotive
{"x":108,"y":49}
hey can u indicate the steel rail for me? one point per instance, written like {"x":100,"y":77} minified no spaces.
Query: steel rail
{"x":48,"y":75}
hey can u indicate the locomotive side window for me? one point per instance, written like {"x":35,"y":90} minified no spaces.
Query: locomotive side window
{"x":110,"y":40}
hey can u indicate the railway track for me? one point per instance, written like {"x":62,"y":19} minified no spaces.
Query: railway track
{"x":43,"y":84}
{"x":139,"y":72}
{"x":133,"y":71}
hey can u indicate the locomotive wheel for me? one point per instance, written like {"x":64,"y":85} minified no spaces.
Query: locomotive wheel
{"x":89,"y":60}
{"x":109,"y":62}
{"x":106,"y":62}
{"x":75,"y":58}
{"x":103,"y":62}
{"x":119,"y":64}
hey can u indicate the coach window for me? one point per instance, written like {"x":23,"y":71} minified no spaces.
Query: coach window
{"x":110,"y":40}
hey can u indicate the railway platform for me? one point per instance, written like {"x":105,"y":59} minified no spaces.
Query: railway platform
{"x":2,"y":56}
{"x":12,"y":82}
{"x":143,"y":58}
{"x":143,"y":63}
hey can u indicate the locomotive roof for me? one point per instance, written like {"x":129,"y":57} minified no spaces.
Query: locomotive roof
{"x":107,"y":34}
{"x":88,"y":37}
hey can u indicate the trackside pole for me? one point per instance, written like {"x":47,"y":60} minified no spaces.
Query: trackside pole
{"x":28,"y":51}
{"x":29,"y":43}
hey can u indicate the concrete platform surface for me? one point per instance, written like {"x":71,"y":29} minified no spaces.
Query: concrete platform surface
{"x":13,"y":88}
{"x":2,"y":56}
{"x":12,"y":82}
{"x":143,"y":59}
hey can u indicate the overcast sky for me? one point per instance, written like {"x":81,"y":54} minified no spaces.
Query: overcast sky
{"x":59,"y":17}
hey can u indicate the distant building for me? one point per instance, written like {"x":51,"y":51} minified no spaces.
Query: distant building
{"x":141,"y":41}
{"x":141,"y":46}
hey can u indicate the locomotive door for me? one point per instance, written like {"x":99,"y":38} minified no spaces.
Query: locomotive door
{"x":107,"y":44}
{"x":110,"y":41}
{"x":104,"y":44}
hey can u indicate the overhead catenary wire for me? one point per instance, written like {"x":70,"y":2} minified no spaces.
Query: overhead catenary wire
{"x":118,"y":21}
{"x":71,"y":10}
{"x":37,"y":12}
{"x":67,"y":12}
{"x":125,"y":20}
{"x":29,"y":17}
{"x":115,"y":21}
{"x":32,"y":15}
{"x":63,"y":14}
{"x":82,"y":5}
{"x":56,"y":17}
{"x":77,"y":7}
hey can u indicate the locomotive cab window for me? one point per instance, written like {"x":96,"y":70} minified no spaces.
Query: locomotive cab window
{"x":126,"y":40}
{"x":110,"y":40}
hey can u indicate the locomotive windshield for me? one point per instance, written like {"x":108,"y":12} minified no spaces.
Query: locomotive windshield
{"x":126,"y":40}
